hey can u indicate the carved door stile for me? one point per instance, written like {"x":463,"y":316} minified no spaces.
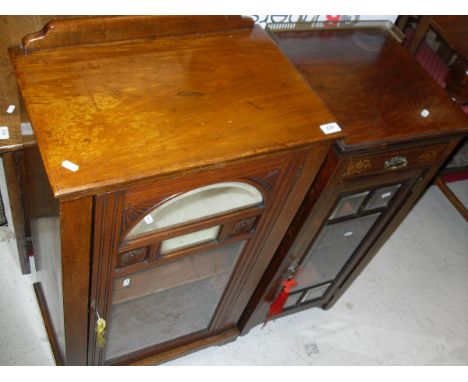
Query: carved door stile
{"x":107,"y":212}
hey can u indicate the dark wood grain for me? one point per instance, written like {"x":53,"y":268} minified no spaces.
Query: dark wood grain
{"x":229,"y":91}
{"x":372,"y":85}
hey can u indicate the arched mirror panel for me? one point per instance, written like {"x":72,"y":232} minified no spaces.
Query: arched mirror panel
{"x":199,"y":203}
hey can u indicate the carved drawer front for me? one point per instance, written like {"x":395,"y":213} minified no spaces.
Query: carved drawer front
{"x":394,"y":160}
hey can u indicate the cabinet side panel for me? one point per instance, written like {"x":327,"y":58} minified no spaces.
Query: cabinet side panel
{"x":43,"y":213}
{"x":75,"y":217}
{"x":288,"y":201}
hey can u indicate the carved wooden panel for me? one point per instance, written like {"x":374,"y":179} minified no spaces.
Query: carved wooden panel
{"x":243,"y":226}
{"x":132,"y":257}
{"x":357,"y":166}
{"x":266,"y":179}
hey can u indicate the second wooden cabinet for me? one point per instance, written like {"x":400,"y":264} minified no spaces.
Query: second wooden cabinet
{"x":401,"y":128}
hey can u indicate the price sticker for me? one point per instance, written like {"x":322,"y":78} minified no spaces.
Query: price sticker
{"x":330,"y":128}
{"x":148,"y":219}
{"x":70,"y":166}
{"x":4,"y":132}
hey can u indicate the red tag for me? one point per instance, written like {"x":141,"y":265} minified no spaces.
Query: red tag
{"x":277,"y":306}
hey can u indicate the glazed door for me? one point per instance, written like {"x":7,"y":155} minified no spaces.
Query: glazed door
{"x":178,"y":257}
{"x":359,"y":212}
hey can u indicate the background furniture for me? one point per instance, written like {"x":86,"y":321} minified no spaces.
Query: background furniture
{"x":12,"y":30}
{"x":195,"y":141}
{"x":401,"y":128}
{"x":444,"y":58}
{"x":453,"y":30}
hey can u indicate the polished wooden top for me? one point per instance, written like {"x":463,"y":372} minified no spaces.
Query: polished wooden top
{"x":126,"y":111}
{"x":455,"y":31}
{"x":372,"y":85}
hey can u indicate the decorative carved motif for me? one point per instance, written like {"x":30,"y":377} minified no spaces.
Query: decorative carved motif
{"x":132,"y":257}
{"x":266,"y":179}
{"x":131,"y":214}
{"x":357,"y":166}
{"x":428,"y":157}
{"x":243,"y":226}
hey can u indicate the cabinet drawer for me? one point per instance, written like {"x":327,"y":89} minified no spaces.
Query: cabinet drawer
{"x":393,"y":160}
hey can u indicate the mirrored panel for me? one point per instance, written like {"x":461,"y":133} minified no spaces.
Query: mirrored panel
{"x":189,"y":240}
{"x":315,"y":293}
{"x":199,"y":203}
{"x":292,"y":300}
{"x":168,"y":301}
{"x":348,"y":205}
{"x":334,"y":246}
{"x":381,"y":197}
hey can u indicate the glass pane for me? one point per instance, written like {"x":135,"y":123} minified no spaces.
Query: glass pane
{"x":292,"y":300}
{"x":199,"y":203}
{"x":334,"y":246}
{"x":348,"y":205}
{"x":190,"y":239}
{"x":168,"y":301}
{"x":315,"y":293}
{"x":381,"y":197}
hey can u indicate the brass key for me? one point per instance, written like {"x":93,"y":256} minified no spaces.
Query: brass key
{"x":100,"y":332}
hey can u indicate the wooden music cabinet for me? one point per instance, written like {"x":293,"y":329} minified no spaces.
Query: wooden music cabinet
{"x":170,"y":155}
{"x":401,"y":127}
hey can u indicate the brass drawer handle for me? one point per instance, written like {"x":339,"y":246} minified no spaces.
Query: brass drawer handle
{"x":395,"y":162}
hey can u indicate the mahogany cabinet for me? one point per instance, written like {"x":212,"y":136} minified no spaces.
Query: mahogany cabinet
{"x":170,"y":155}
{"x":401,"y":127}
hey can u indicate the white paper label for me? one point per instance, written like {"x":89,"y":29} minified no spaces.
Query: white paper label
{"x":386,"y":195}
{"x":425,"y":113}
{"x":126,"y":283}
{"x":10,"y":109}
{"x":70,"y":166}
{"x":148,"y":219}
{"x":330,"y":128}
{"x":4,"y":132}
